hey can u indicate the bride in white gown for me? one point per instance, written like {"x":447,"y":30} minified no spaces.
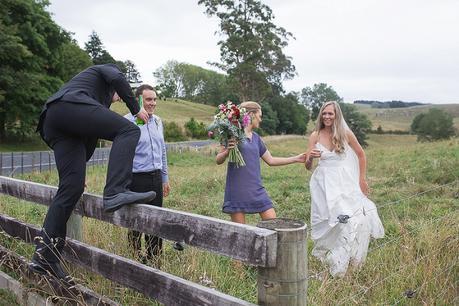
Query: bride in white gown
{"x":342,"y":217}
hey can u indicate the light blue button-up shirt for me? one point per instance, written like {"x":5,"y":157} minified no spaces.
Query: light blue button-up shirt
{"x":150,"y":153}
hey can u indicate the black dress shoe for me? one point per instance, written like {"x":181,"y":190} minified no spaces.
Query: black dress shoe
{"x":178,"y":246}
{"x":115,"y":202}
{"x":55,"y":269}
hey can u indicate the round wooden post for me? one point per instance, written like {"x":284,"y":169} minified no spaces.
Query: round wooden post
{"x":286,"y":283}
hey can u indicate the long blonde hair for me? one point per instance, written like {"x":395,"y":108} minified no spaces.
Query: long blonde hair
{"x":339,"y":137}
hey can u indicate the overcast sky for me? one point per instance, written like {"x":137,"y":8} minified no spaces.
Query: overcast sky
{"x":365,"y":49}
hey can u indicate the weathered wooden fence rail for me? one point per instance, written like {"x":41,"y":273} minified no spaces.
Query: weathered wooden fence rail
{"x":281,"y":269}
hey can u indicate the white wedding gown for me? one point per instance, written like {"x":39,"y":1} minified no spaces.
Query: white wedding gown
{"x":335,"y":191}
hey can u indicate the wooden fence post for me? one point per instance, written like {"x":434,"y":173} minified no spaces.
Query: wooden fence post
{"x":286,"y":283}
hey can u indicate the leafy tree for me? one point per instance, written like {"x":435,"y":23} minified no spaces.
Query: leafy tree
{"x":358,"y":122}
{"x":292,"y":117}
{"x":169,"y":78}
{"x":31,"y":46}
{"x":314,"y":97}
{"x":73,"y":59}
{"x":251,"y":51}
{"x":433,"y":125}
{"x":270,"y":120}
{"x":96,"y":50}
{"x":132,"y":75}
{"x":194,"y":83}
{"x":94,"y":46}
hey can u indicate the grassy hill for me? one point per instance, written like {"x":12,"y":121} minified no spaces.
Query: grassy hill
{"x":176,"y":110}
{"x":401,"y":118}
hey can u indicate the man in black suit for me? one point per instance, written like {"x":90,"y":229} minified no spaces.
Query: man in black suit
{"x":72,"y":121}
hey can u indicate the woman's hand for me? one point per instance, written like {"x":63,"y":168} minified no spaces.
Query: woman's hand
{"x":314,"y":153}
{"x":300,"y":158}
{"x":231,"y":145}
{"x":364,"y":186}
{"x":224,"y":152}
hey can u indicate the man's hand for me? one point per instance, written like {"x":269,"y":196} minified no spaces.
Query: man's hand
{"x":166,"y":189}
{"x":142,"y":114}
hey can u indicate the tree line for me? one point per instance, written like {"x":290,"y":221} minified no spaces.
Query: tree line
{"x":37,"y":56}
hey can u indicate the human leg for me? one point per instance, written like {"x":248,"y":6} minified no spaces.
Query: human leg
{"x":151,"y":181}
{"x":268,"y":214}
{"x":85,"y":120}
{"x":238,"y":217}
{"x":70,"y":156}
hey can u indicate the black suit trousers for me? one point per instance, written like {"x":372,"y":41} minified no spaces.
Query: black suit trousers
{"x":70,"y":129}
{"x":143,"y":182}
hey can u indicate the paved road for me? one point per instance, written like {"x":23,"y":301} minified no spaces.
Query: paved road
{"x":12,"y":163}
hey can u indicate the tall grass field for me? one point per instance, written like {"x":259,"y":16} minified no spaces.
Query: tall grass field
{"x":415,"y":185}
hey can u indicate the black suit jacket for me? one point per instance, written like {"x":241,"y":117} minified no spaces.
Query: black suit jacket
{"x":96,"y":86}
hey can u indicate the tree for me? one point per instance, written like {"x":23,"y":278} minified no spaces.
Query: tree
{"x":270,"y":120}
{"x":96,"y":50}
{"x":314,"y":97}
{"x":31,"y":46}
{"x":169,"y":79}
{"x":131,"y":73}
{"x":358,"y":122}
{"x":433,"y":125}
{"x":251,"y":51}
{"x":194,"y":83}
{"x":292,"y":116}
{"x":73,"y":59}
{"x":94,"y":46}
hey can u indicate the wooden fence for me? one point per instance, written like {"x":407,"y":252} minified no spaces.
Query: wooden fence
{"x":276,"y":247}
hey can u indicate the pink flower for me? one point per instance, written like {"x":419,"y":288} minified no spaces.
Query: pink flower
{"x":210,"y":134}
{"x":246,"y":120}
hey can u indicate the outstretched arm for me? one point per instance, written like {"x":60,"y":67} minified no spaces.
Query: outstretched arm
{"x":280,"y":161}
{"x":355,"y":145}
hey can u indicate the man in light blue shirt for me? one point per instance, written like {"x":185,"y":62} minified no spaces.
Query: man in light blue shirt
{"x":149,"y":169}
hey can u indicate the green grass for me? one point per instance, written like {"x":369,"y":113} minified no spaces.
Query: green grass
{"x":419,"y":213}
{"x":176,"y":110}
{"x":7,"y":298}
{"x":401,"y":118}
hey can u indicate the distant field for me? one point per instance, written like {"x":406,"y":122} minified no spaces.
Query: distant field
{"x":401,"y":118}
{"x":176,"y":110}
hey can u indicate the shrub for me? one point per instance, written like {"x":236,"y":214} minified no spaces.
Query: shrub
{"x":173,"y":132}
{"x":195,"y":129}
{"x":434,"y":125}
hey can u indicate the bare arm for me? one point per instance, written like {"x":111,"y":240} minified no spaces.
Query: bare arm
{"x":224,"y":152}
{"x":355,"y":145}
{"x":310,"y":153}
{"x":280,"y":161}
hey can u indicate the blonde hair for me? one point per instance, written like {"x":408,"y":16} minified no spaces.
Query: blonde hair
{"x":250,"y":106}
{"x":339,"y":137}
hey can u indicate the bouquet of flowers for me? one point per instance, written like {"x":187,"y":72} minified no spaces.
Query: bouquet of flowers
{"x":229,"y":123}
